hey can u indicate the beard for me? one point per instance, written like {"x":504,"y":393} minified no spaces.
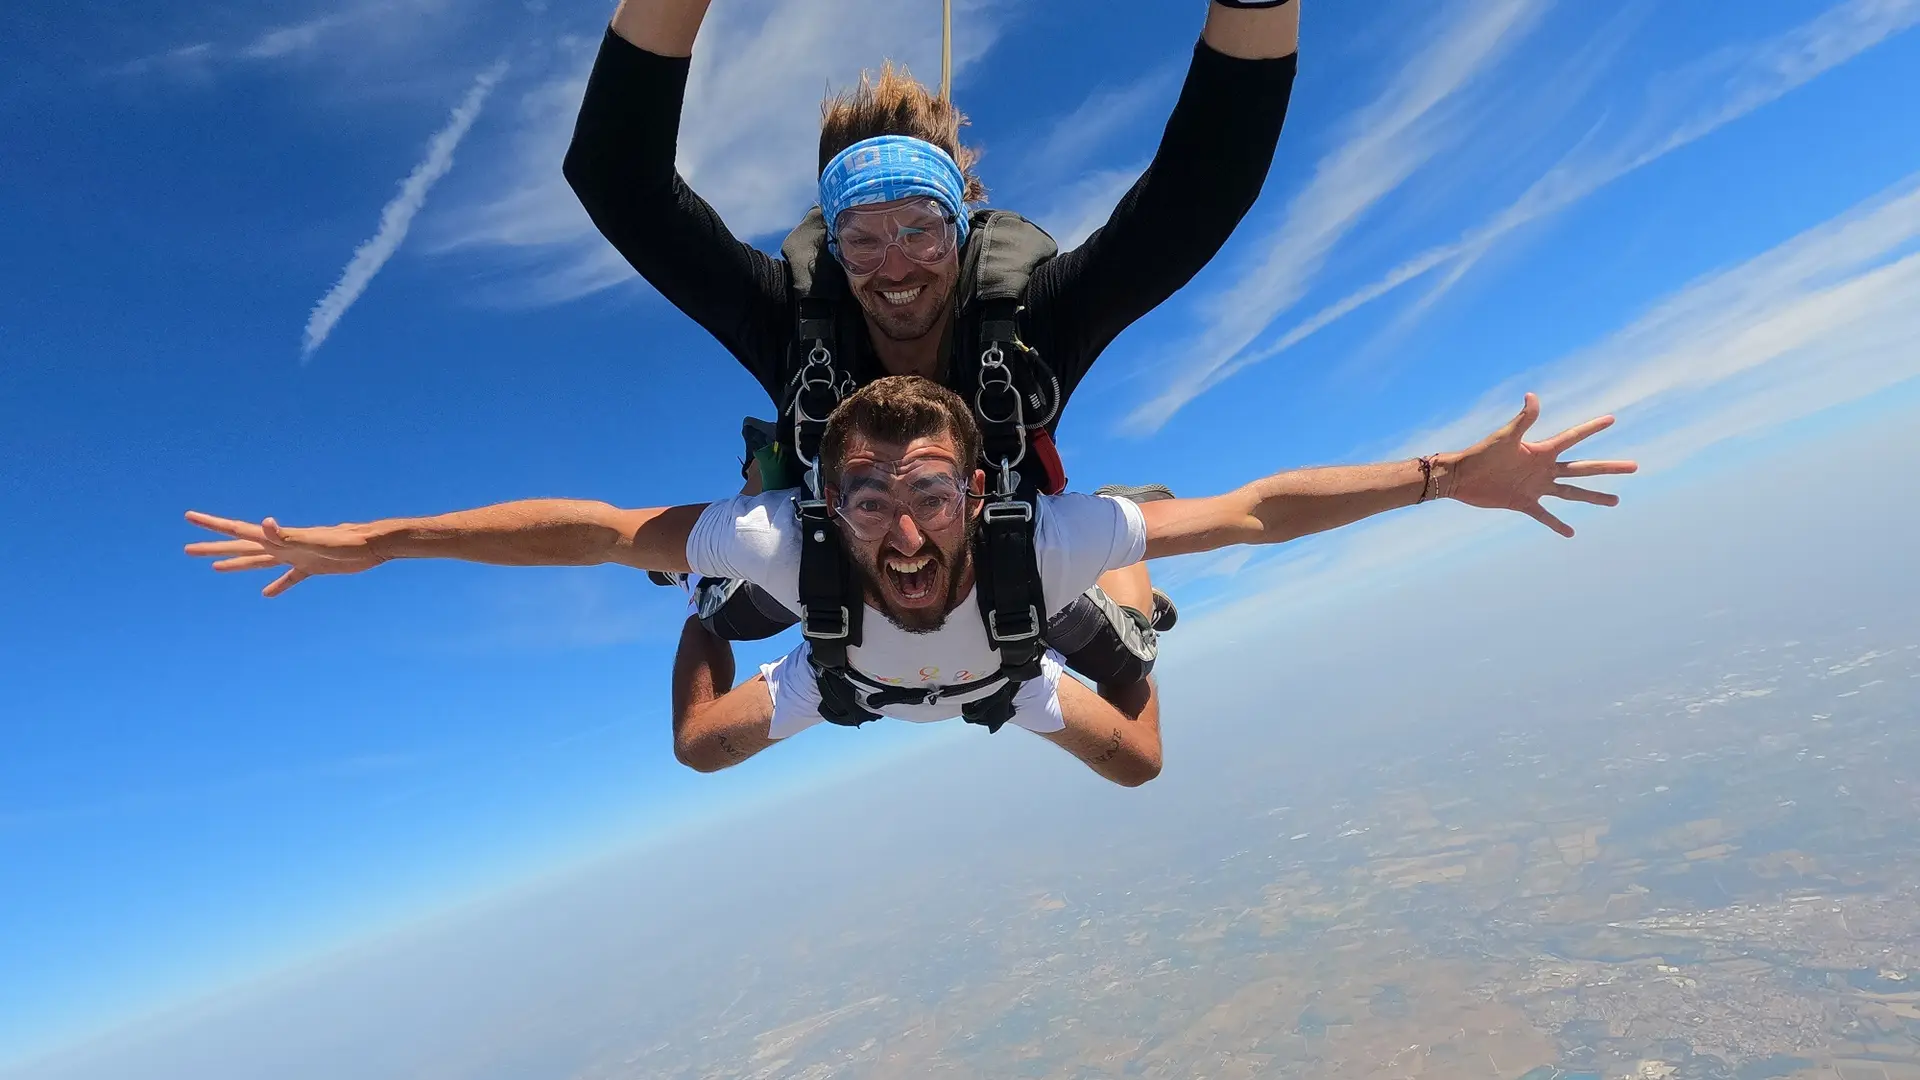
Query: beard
{"x":914,"y":322}
{"x":920,"y":620}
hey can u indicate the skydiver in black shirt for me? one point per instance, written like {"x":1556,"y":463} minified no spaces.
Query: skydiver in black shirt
{"x":904,"y":264}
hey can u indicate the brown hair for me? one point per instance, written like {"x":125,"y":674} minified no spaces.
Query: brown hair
{"x":896,"y":103}
{"x":900,"y":409}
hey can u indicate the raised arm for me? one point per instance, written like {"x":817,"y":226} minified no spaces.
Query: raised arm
{"x":662,"y":27}
{"x":1253,"y":29}
{"x":621,"y":167}
{"x":1502,"y":471}
{"x":532,"y":532}
{"x":1212,"y":161}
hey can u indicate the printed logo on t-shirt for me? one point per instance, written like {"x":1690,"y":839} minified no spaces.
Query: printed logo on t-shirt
{"x":929,"y":676}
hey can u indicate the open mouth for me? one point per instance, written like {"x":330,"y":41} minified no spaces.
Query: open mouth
{"x":902,"y":297}
{"x":912,"y":579}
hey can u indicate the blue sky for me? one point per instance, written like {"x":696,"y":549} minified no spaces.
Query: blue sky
{"x":1702,"y":217}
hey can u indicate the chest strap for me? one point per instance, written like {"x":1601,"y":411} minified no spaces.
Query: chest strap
{"x":842,"y":701}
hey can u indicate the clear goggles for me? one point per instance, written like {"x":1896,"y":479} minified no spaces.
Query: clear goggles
{"x":923,"y":231}
{"x":874,"y":498}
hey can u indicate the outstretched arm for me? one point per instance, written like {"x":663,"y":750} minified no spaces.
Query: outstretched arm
{"x":1502,"y":471}
{"x":532,"y":532}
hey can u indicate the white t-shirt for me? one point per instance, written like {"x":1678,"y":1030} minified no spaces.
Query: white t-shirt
{"x":1076,"y":539}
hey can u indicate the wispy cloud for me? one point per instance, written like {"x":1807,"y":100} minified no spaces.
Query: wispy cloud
{"x":286,"y":40}
{"x":1078,"y":199}
{"x":748,"y":137}
{"x":1822,"y":320}
{"x":357,"y":24}
{"x":185,"y":62}
{"x":1085,"y":205}
{"x":1387,"y":142}
{"x":398,"y":215}
{"x":1682,"y":108}
{"x":1073,"y":139}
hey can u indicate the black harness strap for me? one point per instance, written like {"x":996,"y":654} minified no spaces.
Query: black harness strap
{"x":992,"y":711}
{"x":839,"y":699}
{"x":1008,"y":572}
{"x":1006,"y":569}
{"x":830,"y":600}
{"x":842,"y":694}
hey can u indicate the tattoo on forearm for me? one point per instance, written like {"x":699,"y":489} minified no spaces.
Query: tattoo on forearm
{"x":1112,"y":751}
{"x":729,"y":749}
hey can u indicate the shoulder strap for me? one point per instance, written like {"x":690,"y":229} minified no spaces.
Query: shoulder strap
{"x":1003,"y":251}
{"x":1007,"y":584}
{"x":811,"y":269}
{"x":830,"y":599}
{"x":1014,"y":394}
{"x":1013,"y":391}
{"x":817,"y":370}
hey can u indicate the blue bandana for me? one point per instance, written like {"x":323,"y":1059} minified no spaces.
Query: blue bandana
{"x":893,"y":167}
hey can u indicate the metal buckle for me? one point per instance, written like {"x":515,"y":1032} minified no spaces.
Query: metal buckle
{"x":846,"y":628}
{"x":997,"y":377}
{"x":1009,"y":510}
{"x":1032,"y":631}
{"x":817,"y":377}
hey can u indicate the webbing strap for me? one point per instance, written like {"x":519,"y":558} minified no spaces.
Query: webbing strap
{"x":992,"y":711}
{"x":839,"y":700}
{"x":817,"y":382}
{"x":842,"y":701}
{"x":1007,"y":573}
{"x":830,"y":600}
{"x":829,"y":597}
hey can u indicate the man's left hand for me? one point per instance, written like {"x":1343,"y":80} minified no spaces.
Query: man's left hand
{"x":333,"y":549}
{"x":1505,"y":472}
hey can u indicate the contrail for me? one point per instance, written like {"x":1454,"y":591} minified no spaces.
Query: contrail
{"x":371,"y":255}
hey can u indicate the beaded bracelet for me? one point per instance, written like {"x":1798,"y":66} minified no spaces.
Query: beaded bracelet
{"x":1426,"y":475}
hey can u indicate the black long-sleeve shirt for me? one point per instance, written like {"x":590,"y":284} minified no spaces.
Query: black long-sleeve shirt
{"x":1212,"y":160}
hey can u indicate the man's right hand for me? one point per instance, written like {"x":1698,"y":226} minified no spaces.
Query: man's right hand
{"x":328,"y":549}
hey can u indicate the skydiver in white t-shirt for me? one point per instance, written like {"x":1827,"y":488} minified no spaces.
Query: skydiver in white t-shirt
{"x":907,"y":509}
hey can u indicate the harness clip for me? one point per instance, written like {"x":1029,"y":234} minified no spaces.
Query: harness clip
{"x":1032,"y":615}
{"x":812,"y":631}
{"x":1008,"y":510}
